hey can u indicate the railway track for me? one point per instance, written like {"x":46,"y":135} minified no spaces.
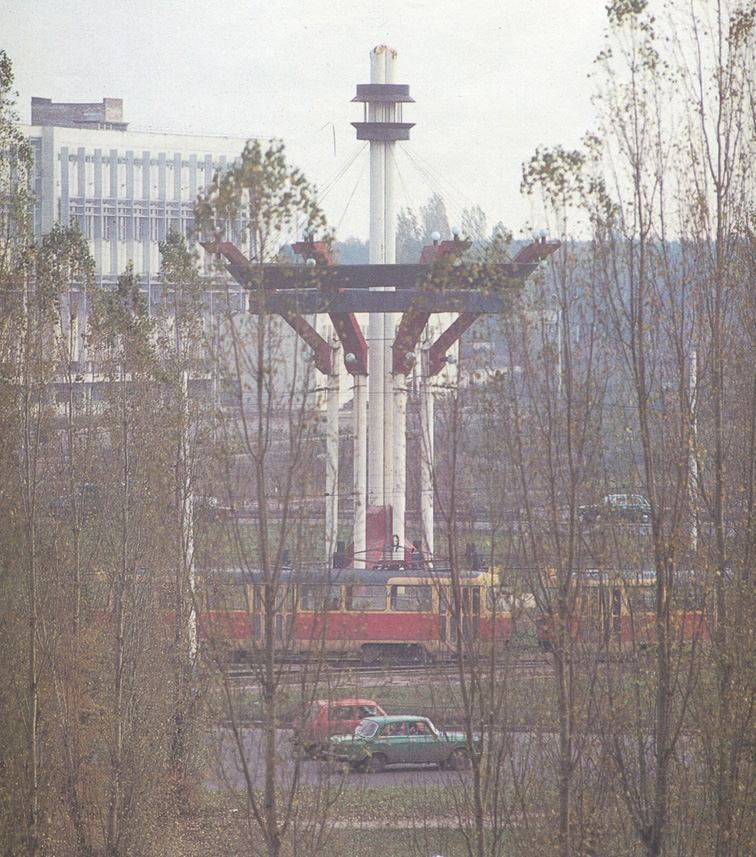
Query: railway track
{"x":520,"y":663}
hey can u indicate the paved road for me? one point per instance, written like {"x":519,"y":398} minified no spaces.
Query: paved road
{"x":226,"y":770}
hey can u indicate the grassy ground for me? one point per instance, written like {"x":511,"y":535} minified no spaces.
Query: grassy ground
{"x":362,"y":822}
{"x":432,"y":693}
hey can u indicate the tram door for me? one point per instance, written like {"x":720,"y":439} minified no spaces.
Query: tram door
{"x":447,"y":627}
{"x":284,"y":613}
{"x":470,"y":612}
{"x":467,"y":619}
{"x":609,"y":615}
{"x":283,"y":616}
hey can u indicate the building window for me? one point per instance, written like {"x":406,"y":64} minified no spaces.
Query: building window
{"x":231,"y":393}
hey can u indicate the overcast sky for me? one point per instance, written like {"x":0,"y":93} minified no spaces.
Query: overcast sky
{"x":493,"y":79}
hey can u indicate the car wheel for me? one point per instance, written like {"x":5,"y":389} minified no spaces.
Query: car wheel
{"x":459,"y":760}
{"x":376,"y":763}
{"x":336,"y":766}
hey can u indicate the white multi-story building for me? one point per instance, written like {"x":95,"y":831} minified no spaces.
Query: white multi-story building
{"x":127,"y":189}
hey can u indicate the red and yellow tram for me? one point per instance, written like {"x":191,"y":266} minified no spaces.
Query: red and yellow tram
{"x":390,"y":613}
{"x":616,"y":610}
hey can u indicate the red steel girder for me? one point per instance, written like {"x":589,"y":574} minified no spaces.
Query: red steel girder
{"x":345,"y":324}
{"x":311,"y":249}
{"x":321,"y":350}
{"x":231,"y":252}
{"x":407,"y":337}
{"x":414,"y":319}
{"x":434,"y":252}
{"x":535,"y":252}
{"x":531,"y":254}
{"x":349,"y":333}
{"x":437,"y":351}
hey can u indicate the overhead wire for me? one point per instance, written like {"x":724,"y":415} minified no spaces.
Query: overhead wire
{"x":405,"y":189}
{"x":351,"y":196}
{"x":434,"y":179}
{"x":336,"y":177}
{"x":436,"y":182}
{"x":331,"y":183}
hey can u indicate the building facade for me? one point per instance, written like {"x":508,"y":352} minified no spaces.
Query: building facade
{"x":126,"y":189}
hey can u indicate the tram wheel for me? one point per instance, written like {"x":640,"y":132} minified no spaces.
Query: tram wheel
{"x":419,"y":654}
{"x":370,"y":653}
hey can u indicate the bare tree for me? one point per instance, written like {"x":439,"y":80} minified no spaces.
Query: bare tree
{"x":136,"y":553}
{"x":271,"y":426}
{"x":659,"y":299}
{"x":24,"y":331}
{"x":183,"y":348}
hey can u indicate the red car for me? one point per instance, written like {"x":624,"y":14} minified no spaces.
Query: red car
{"x":338,"y":717}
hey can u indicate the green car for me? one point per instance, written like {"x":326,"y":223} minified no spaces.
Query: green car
{"x":401,"y":739}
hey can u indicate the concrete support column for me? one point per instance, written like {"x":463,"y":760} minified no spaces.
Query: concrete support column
{"x":399,"y":504}
{"x":360,"y":470}
{"x":332,"y":458}
{"x":427,"y":443}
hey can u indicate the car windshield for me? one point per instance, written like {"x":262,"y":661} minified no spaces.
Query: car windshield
{"x":366,"y":729}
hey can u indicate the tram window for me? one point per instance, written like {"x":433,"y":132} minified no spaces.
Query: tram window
{"x":319,"y":597}
{"x":285,"y":599}
{"x":234,"y":598}
{"x":415,"y":599}
{"x":641,"y":601}
{"x":691,"y":597}
{"x":500,"y":600}
{"x":366,"y":598}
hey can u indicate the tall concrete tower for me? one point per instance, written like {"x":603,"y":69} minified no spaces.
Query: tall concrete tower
{"x":381,"y":438}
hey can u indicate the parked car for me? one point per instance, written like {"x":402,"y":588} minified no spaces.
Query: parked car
{"x":381,"y":741}
{"x":337,"y":717}
{"x":633,"y":508}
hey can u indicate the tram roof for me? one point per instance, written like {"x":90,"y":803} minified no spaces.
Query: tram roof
{"x":343,"y":576}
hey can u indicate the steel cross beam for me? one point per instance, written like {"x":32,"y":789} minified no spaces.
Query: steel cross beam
{"x":343,"y":290}
{"x":237,"y":261}
{"x":530,"y":254}
{"x":345,"y":324}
